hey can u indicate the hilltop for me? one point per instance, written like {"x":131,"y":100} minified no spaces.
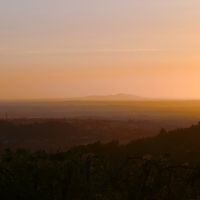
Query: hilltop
{"x":114,"y":97}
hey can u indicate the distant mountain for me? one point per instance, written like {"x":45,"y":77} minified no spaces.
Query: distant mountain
{"x":115,"y":97}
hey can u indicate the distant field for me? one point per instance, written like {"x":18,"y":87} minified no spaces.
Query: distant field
{"x":184,"y":110}
{"x":88,"y":122}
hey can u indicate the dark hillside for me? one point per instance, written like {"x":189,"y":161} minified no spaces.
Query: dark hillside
{"x":180,"y":143}
{"x":165,"y":167}
{"x":54,"y":134}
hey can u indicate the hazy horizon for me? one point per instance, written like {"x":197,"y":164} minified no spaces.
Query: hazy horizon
{"x":100,"y":96}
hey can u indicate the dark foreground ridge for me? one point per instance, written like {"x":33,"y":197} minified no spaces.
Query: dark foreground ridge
{"x":54,"y":134}
{"x":163,"y":167}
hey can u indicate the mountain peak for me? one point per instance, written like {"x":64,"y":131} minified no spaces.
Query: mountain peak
{"x":113,"y":97}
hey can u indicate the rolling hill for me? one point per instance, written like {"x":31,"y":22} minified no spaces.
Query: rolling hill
{"x":115,"y":97}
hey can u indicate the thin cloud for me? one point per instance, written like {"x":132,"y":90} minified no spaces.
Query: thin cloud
{"x":68,"y":51}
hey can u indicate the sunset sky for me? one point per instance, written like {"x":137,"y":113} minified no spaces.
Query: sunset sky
{"x":63,"y":48}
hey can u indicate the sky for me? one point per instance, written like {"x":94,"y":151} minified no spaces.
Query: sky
{"x":65,"y":48}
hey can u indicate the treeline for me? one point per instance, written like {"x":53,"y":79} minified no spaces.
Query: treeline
{"x":162,"y":167}
{"x":79,"y":175}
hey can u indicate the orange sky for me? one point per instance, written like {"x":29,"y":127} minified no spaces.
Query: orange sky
{"x":54,"y":49}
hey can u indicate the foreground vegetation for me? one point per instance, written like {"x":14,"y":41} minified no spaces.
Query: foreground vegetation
{"x":164,"y":167}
